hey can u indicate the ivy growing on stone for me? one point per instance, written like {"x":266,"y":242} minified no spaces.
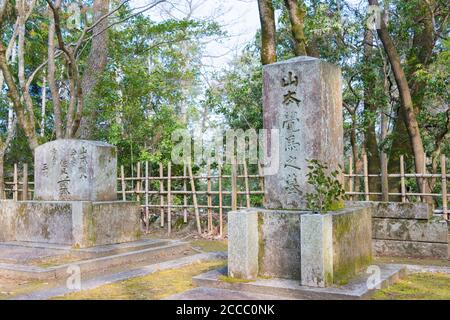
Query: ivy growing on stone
{"x":329,"y":194}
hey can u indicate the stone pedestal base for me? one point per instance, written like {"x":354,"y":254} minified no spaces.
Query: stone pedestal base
{"x":80,"y":224}
{"x":317,"y":249}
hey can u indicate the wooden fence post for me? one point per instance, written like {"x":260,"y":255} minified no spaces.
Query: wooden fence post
{"x":194,"y":199}
{"x":233,"y":184}
{"x":184,"y":195}
{"x":138,"y":182}
{"x":25,"y":182}
{"x":384,"y":177}
{"x":15,"y":184}
{"x":247,"y":187}
{"x":424,"y":180}
{"x":169,"y":187}
{"x":261,"y":180}
{"x":350,"y":177}
{"x":161,"y":189}
{"x":122,"y":179}
{"x":402,"y":178}
{"x":146,"y":197}
{"x":210,"y":227}
{"x":444,"y":187}
{"x":366,"y":178}
{"x":220,"y":200}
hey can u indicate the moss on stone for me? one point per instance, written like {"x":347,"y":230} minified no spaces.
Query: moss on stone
{"x":210,"y":245}
{"x":344,"y":271}
{"x":342,"y":225}
{"x":234,"y":280}
{"x":91,"y":229}
{"x":337,"y":205}
{"x":261,"y":245}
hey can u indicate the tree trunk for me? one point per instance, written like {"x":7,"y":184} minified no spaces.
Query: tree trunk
{"x":96,"y":63}
{"x":373,"y":155}
{"x":297,"y":15}
{"x":405,"y":97}
{"x":268,"y":32}
{"x":24,"y":120}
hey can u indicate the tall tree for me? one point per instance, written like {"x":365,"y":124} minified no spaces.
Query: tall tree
{"x":406,"y":102}
{"x":297,"y":13}
{"x":96,"y":63}
{"x":268,"y":32}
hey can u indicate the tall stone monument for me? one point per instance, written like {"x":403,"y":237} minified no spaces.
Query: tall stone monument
{"x":75,"y":199}
{"x":303,"y":101}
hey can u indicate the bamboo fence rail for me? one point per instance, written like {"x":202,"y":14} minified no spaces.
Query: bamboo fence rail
{"x":166,"y":195}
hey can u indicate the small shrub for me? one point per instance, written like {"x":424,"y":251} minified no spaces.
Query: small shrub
{"x":328,"y":195}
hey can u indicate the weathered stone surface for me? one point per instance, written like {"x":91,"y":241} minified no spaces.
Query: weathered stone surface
{"x":243,"y":244}
{"x":316,"y":250}
{"x":7,"y":225}
{"x":69,"y":169}
{"x":77,"y":223}
{"x":279,"y":244}
{"x":413,"y":249}
{"x":433,"y":230}
{"x":352,"y":242}
{"x":303,"y":100}
{"x":107,"y":223}
{"x":397,"y":210}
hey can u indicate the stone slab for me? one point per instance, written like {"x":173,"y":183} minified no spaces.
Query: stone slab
{"x":316,"y":250}
{"x":102,"y":262}
{"x":433,"y":230}
{"x":356,"y":289}
{"x":203,"y":293}
{"x":72,"y":169}
{"x":279,"y":243}
{"x":76,"y":223}
{"x":397,"y":210}
{"x":243,"y":243}
{"x":123,"y":275}
{"x":413,"y":249}
{"x":302,"y":99}
{"x":352,"y":242}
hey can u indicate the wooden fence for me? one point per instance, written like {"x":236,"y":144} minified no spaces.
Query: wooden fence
{"x":215,"y":190}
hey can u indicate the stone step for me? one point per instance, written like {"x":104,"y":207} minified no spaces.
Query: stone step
{"x":356,"y":289}
{"x":102,"y":258}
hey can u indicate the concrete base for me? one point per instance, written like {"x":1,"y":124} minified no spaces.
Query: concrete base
{"x":79,"y":224}
{"x":316,"y":249}
{"x":42,"y":261}
{"x":357,"y":288}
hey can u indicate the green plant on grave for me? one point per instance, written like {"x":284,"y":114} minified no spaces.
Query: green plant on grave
{"x":329,"y":194}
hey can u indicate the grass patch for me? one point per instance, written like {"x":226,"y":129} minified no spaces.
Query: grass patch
{"x":210,"y":245}
{"x":11,"y":288}
{"x":154,"y":286}
{"x":418,"y":286}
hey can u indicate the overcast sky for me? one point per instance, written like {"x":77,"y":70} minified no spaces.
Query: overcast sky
{"x":239,"y":18}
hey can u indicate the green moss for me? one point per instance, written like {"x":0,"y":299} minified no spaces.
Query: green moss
{"x":210,"y":245}
{"x":337,"y":205}
{"x":234,"y":280}
{"x":261,"y":245}
{"x":158,"y":285}
{"x":418,"y":286}
{"x":328,"y":278}
{"x":91,"y":229}
{"x":344,"y":271}
{"x":341,"y":225}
